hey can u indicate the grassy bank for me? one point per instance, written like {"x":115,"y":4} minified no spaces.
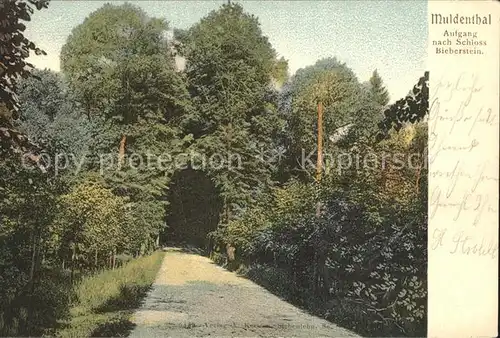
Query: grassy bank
{"x":105,"y":302}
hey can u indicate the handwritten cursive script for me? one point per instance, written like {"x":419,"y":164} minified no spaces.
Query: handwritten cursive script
{"x":460,"y":174}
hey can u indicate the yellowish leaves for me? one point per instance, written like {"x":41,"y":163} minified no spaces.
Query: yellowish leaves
{"x":94,"y":215}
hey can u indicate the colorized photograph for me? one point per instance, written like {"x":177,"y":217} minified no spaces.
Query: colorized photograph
{"x":213,"y":168}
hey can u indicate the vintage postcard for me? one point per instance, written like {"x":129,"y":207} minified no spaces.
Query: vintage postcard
{"x":249,"y":168}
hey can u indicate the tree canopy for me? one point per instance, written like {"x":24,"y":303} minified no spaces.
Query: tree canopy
{"x":15,"y":48}
{"x":219,"y":153}
{"x":377,"y":89}
{"x":230,"y":67}
{"x":413,"y":108}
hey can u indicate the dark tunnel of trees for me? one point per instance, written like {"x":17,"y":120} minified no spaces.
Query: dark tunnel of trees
{"x":195,"y":207}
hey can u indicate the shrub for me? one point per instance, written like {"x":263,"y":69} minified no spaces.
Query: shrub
{"x":362,"y":263}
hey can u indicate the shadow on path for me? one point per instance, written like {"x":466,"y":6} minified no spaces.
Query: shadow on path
{"x":129,"y":299}
{"x":193,"y":297}
{"x":118,"y":328}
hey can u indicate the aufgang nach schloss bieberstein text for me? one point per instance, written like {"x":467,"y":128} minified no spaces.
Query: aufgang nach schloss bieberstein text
{"x":464,"y":40}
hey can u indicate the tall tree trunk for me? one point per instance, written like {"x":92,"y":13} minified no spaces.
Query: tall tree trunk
{"x":314,"y":276}
{"x":87,"y":111}
{"x":318,"y":209}
{"x":319,"y":162}
{"x":32,"y":279}
{"x":72,"y":264}
{"x":228,"y":213}
{"x":228,"y":145}
{"x":121,"y":154}
{"x":33,"y":258}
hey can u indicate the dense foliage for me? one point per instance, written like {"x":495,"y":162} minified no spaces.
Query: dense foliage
{"x":134,"y":151}
{"x":230,"y":69}
{"x":363,"y":262}
{"x":15,"y":48}
{"x":413,"y":108}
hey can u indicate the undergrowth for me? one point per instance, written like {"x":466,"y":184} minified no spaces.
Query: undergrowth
{"x":105,"y":302}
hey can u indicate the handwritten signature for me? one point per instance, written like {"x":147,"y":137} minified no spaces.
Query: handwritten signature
{"x":462,"y":243}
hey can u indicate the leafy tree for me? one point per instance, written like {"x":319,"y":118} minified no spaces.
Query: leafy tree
{"x":127,"y":83}
{"x":346,"y":262}
{"x":280,"y":72}
{"x":51,"y":117}
{"x":344,"y":103}
{"x":230,"y":66}
{"x":15,"y":46}
{"x":27,"y":208}
{"x":89,"y":224}
{"x":15,"y":49}
{"x":377,"y":89}
{"x":410,"y":109}
{"x":126,"y":76}
{"x":45,"y":91}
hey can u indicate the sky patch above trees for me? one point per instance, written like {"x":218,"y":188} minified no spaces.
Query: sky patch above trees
{"x":301,"y":32}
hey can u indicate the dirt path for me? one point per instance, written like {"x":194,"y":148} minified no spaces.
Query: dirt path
{"x":193,"y":297}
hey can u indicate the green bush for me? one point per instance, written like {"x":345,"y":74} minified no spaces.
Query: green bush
{"x":362,"y":263}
